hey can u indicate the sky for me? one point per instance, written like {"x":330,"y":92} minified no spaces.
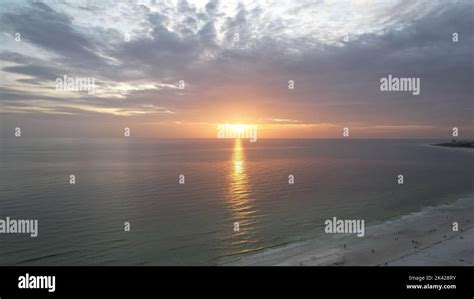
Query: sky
{"x":177,"y":69}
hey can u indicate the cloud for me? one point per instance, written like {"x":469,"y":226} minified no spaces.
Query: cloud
{"x":336,"y":81}
{"x":48,"y":29}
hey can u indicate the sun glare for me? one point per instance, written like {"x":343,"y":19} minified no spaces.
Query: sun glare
{"x":238,"y":128}
{"x":237,"y":131}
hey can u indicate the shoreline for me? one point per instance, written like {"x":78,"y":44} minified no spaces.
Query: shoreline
{"x":424,"y":238}
{"x":452,"y":148}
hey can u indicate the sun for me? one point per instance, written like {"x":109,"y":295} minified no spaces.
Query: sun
{"x":238,"y":129}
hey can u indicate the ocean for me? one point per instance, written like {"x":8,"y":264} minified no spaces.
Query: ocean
{"x":119,"y":180}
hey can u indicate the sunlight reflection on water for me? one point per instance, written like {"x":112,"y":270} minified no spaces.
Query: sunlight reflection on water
{"x":240,"y":202}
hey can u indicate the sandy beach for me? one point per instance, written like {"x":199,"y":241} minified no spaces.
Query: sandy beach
{"x":424,"y":238}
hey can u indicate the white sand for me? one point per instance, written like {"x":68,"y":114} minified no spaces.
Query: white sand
{"x":452,"y":252}
{"x":423,"y":238}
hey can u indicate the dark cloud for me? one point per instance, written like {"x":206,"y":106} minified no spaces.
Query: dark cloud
{"x":43,"y":72}
{"x":50,"y":30}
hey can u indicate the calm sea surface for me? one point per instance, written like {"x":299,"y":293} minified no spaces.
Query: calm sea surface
{"x":226,"y":181}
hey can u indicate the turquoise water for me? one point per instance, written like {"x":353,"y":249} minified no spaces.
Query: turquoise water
{"x":226,"y":181}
